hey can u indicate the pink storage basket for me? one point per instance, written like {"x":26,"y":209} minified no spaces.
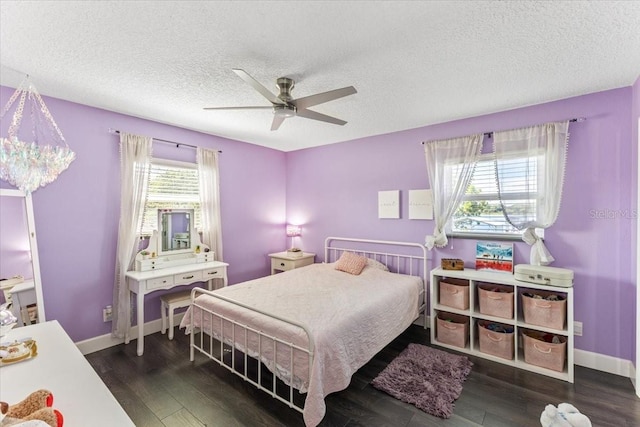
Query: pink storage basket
{"x":544,"y":354}
{"x":542,"y":312}
{"x":496,"y":300}
{"x":454,"y":293}
{"x":498,"y":344}
{"x":452,"y":329}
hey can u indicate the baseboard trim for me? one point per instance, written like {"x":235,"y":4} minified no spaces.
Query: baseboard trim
{"x":101,"y":342}
{"x":604,"y":363}
{"x":599,"y":362}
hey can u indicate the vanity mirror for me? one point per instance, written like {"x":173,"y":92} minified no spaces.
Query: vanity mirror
{"x":176,"y":242}
{"x":175,"y":227}
{"x":19,"y":263}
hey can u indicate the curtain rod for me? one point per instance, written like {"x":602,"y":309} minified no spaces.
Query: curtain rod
{"x":490,"y":134}
{"x":177,"y":144}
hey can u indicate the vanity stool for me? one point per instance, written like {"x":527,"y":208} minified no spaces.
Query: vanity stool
{"x":168,"y":303}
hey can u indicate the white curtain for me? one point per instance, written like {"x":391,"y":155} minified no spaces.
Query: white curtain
{"x":450,"y":164}
{"x":545,"y":149}
{"x":209,"y":179}
{"x":135,"y":160}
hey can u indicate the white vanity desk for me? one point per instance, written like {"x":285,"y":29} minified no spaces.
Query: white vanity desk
{"x":175,"y":256}
{"x":142,"y":283}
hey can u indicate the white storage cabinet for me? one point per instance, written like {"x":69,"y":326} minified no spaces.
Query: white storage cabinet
{"x":473,"y":316}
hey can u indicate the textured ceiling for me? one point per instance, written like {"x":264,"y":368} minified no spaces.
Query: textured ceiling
{"x":413,"y":63}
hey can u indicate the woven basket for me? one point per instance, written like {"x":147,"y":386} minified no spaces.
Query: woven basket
{"x":498,"y":344}
{"x":452,"y":329}
{"x":542,"y":312}
{"x":454,"y":293}
{"x":496,"y":300}
{"x":544,"y":354}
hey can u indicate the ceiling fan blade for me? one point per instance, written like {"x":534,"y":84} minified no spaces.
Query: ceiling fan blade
{"x":238,"y":108}
{"x":258,"y":86}
{"x":277,"y":121}
{"x":321,"y":98}
{"x":308,"y":114}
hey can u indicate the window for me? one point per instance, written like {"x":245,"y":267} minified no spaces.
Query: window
{"x":480,"y":212}
{"x":172,"y":185}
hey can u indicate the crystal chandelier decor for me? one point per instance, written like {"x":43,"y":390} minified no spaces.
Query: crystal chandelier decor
{"x":30,"y":165}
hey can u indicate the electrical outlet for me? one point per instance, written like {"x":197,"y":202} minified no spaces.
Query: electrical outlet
{"x":107,"y":314}
{"x":577,"y":329}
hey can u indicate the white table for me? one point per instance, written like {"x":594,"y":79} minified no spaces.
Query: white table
{"x":78,"y":392}
{"x":142,"y":283}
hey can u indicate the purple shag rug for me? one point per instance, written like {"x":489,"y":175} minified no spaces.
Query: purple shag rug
{"x":427,"y":378}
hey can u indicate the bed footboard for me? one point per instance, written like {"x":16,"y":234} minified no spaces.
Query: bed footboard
{"x":217,"y":335}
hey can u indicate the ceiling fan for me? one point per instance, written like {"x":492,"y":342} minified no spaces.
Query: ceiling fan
{"x":285,"y":106}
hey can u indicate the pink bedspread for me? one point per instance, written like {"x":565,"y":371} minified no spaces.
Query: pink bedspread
{"x":350,"y":319}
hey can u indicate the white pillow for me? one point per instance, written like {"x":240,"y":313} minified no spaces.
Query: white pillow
{"x":376,"y":264}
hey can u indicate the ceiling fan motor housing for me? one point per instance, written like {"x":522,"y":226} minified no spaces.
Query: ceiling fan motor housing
{"x":286,"y":85}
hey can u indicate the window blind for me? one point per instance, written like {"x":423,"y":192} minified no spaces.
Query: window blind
{"x":481,"y":211}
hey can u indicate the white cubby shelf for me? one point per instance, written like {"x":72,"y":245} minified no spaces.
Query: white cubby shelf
{"x":473,"y":315}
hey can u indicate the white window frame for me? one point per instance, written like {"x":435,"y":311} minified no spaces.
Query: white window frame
{"x":150,"y":215}
{"x":494,"y":198}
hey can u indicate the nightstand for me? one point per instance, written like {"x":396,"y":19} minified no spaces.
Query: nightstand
{"x":282,"y":262}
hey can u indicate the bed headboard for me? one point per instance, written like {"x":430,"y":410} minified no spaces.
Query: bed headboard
{"x":399,"y":257}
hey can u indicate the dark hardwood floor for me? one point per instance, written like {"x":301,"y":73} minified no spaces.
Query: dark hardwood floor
{"x":162,"y":388}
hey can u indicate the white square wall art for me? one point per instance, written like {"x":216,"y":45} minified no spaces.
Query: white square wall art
{"x":389,"y":204}
{"x":420,"y":204}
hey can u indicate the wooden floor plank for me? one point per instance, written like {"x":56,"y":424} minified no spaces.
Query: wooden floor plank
{"x":182,"y":418}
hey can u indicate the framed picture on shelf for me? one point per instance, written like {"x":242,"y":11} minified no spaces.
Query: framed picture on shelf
{"x":494,"y":256}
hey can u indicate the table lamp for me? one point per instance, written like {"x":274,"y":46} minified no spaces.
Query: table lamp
{"x":293,"y":231}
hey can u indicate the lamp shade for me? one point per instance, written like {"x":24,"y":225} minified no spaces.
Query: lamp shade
{"x":293,"y":230}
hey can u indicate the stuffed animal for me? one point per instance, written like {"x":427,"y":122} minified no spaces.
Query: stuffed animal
{"x":565,"y":415}
{"x":35,"y":409}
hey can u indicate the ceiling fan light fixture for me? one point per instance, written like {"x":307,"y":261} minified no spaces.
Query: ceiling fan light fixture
{"x":284,"y":111}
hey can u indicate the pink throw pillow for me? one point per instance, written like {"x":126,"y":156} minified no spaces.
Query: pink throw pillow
{"x":351,"y":263}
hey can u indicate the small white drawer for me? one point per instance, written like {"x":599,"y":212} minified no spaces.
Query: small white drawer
{"x":282,"y":264}
{"x":212,"y":273}
{"x":159,"y":282}
{"x":190,"y":277}
{"x":205,"y":257}
{"x":148,"y":264}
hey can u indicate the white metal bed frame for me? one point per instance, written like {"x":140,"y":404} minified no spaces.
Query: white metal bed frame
{"x":401,"y":263}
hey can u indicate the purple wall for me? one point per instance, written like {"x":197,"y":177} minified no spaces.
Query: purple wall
{"x":332,"y":191}
{"x":77,"y":215}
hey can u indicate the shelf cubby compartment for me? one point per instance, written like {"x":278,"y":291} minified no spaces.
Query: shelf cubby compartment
{"x":453,"y":293}
{"x":539,"y":310}
{"x":541,"y":352}
{"x":495,"y":300}
{"x":496,"y":339}
{"x":452,"y":329}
